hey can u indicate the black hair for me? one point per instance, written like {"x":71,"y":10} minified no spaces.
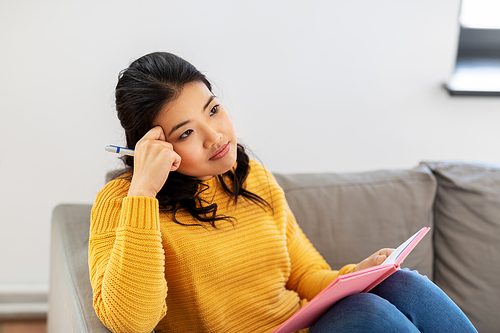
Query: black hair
{"x":143,"y":89}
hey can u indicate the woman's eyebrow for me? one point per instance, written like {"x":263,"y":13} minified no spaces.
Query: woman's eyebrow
{"x":209,"y":101}
{"x":176,"y":127}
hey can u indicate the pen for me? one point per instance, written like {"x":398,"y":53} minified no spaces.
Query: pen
{"x":120,"y":150}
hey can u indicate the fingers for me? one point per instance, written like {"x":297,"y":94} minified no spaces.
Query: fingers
{"x":156,"y":136}
{"x":386,"y":252}
{"x":154,"y":159}
{"x":382,"y":253}
{"x":156,"y":133}
{"x":176,"y":163}
{"x":375,"y":259}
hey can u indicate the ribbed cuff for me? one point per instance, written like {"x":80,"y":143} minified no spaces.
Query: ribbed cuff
{"x":140,"y":212}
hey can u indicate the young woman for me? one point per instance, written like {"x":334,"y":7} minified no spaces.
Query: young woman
{"x":196,"y":237}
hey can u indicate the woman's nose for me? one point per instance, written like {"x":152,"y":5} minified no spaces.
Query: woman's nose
{"x":212,"y":137}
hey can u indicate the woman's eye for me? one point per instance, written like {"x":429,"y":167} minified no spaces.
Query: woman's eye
{"x":185,"y":134}
{"x":214,"y":110}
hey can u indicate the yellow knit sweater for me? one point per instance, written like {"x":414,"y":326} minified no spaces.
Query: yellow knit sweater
{"x":148,"y":272}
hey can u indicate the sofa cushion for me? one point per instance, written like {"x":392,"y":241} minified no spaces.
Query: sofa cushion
{"x":467,"y":239}
{"x":349,"y":216}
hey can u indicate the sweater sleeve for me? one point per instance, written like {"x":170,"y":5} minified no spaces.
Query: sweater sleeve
{"x":310,"y":273}
{"x":126,"y":260}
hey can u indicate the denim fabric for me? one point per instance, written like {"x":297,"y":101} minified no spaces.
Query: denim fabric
{"x":404,"y":302}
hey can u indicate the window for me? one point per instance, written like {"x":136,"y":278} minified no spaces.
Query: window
{"x":477,"y":67}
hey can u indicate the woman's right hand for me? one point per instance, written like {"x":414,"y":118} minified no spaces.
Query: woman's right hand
{"x":154,"y":158}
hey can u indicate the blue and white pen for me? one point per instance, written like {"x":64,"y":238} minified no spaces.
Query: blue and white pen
{"x":120,"y":150}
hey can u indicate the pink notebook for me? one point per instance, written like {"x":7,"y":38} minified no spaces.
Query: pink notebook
{"x":349,"y":284}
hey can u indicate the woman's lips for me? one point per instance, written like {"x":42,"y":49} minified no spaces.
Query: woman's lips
{"x":221,"y":152}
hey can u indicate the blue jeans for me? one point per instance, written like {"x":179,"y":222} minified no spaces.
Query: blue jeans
{"x":404,"y":302}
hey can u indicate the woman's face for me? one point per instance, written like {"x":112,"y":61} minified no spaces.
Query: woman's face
{"x":201,"y":132}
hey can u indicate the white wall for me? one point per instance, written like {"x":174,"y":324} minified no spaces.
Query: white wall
{"x":312,"y":86}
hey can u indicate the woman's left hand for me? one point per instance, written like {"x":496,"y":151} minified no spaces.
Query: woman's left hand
{"x":374,"y":260}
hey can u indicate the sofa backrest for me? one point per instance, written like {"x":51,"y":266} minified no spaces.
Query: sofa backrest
{"x":349,"y":216}
{"x":467,"y":239}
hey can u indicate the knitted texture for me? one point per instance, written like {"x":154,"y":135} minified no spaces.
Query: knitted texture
{"x":148,"y":272}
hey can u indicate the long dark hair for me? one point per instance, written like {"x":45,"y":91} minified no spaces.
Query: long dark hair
{"x":143,"y":89}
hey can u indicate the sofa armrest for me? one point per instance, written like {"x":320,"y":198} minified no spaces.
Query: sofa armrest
{"x":70,"y":294}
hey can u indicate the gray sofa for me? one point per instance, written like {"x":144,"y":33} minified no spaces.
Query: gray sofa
{"x":347,"y":216}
